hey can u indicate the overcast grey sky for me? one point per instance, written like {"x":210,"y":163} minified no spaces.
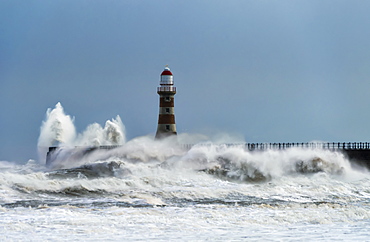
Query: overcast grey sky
{"x":269,"y":71}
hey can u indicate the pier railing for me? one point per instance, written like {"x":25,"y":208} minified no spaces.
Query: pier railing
{"x":308,"y":145}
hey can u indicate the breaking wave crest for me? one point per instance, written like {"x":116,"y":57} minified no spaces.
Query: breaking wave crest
{"x":58,"y":130}
{"x":145,"y":172}
{"x":84,"y":154}
{"x":220,"y":161}
{"x":237,"y":163}
{"x":144,"y":186}
{"x":148,"y":172}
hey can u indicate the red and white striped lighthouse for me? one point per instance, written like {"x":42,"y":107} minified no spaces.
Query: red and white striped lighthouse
{"x":166,"y":119}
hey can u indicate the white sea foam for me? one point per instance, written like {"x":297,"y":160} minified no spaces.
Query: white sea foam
{"x":148,"y":189}
{"x":58,"y":130}
{"x":240,"y":163}
{"x":208,"y":208}
{"x":197,"y":205}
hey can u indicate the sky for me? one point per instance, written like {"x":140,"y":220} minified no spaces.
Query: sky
{"x":263,"y":70}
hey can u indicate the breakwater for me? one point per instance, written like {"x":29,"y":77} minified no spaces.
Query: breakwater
{"x":311,"y":145}
{"x":357,"y":152}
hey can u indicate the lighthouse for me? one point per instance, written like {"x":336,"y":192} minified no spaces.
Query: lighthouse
{"x":166,"y":92}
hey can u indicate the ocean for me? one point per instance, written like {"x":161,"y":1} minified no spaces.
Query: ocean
{"x":158,"y":191}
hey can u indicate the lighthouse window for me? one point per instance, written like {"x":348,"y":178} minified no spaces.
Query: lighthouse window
{"x":167,"y":99}
{"x":167,"y":127}
{"x":167,"y":110}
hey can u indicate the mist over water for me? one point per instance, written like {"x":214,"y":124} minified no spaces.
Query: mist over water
{"x":150,"y":189}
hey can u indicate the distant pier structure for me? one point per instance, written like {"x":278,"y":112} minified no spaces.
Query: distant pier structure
{"x":166,"y":118}
{"x":356,"y":152}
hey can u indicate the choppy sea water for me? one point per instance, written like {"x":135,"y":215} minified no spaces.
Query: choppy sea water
{"x":213,"y":192}
{"x":155,"y":190}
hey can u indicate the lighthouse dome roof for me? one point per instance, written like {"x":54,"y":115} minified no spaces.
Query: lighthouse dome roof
{"x":166,"y":72}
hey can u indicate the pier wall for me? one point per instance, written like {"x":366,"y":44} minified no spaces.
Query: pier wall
{"x":357,"y":152}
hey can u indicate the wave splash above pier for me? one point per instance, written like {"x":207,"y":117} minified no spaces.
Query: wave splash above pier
{"x":58,"y":130}
{"x":240,"y":161}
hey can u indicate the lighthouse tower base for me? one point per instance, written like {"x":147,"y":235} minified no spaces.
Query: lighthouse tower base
{"x":165,"y":130}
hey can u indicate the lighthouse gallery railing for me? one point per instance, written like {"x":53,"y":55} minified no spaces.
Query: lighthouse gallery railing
{"x":166,"y":89}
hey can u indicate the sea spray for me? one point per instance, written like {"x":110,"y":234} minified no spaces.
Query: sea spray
{"x":58,"y":130}
{"x":239,"y":164}
{"x":148,"y":186}
{"x":235,"y":163}
{"x":150,"y":189}
{"x":113,"y":133}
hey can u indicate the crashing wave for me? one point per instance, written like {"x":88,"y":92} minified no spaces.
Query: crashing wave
{"x":95,"y":170}
{"x":58,"y":130}
{"x":238,"y":164}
